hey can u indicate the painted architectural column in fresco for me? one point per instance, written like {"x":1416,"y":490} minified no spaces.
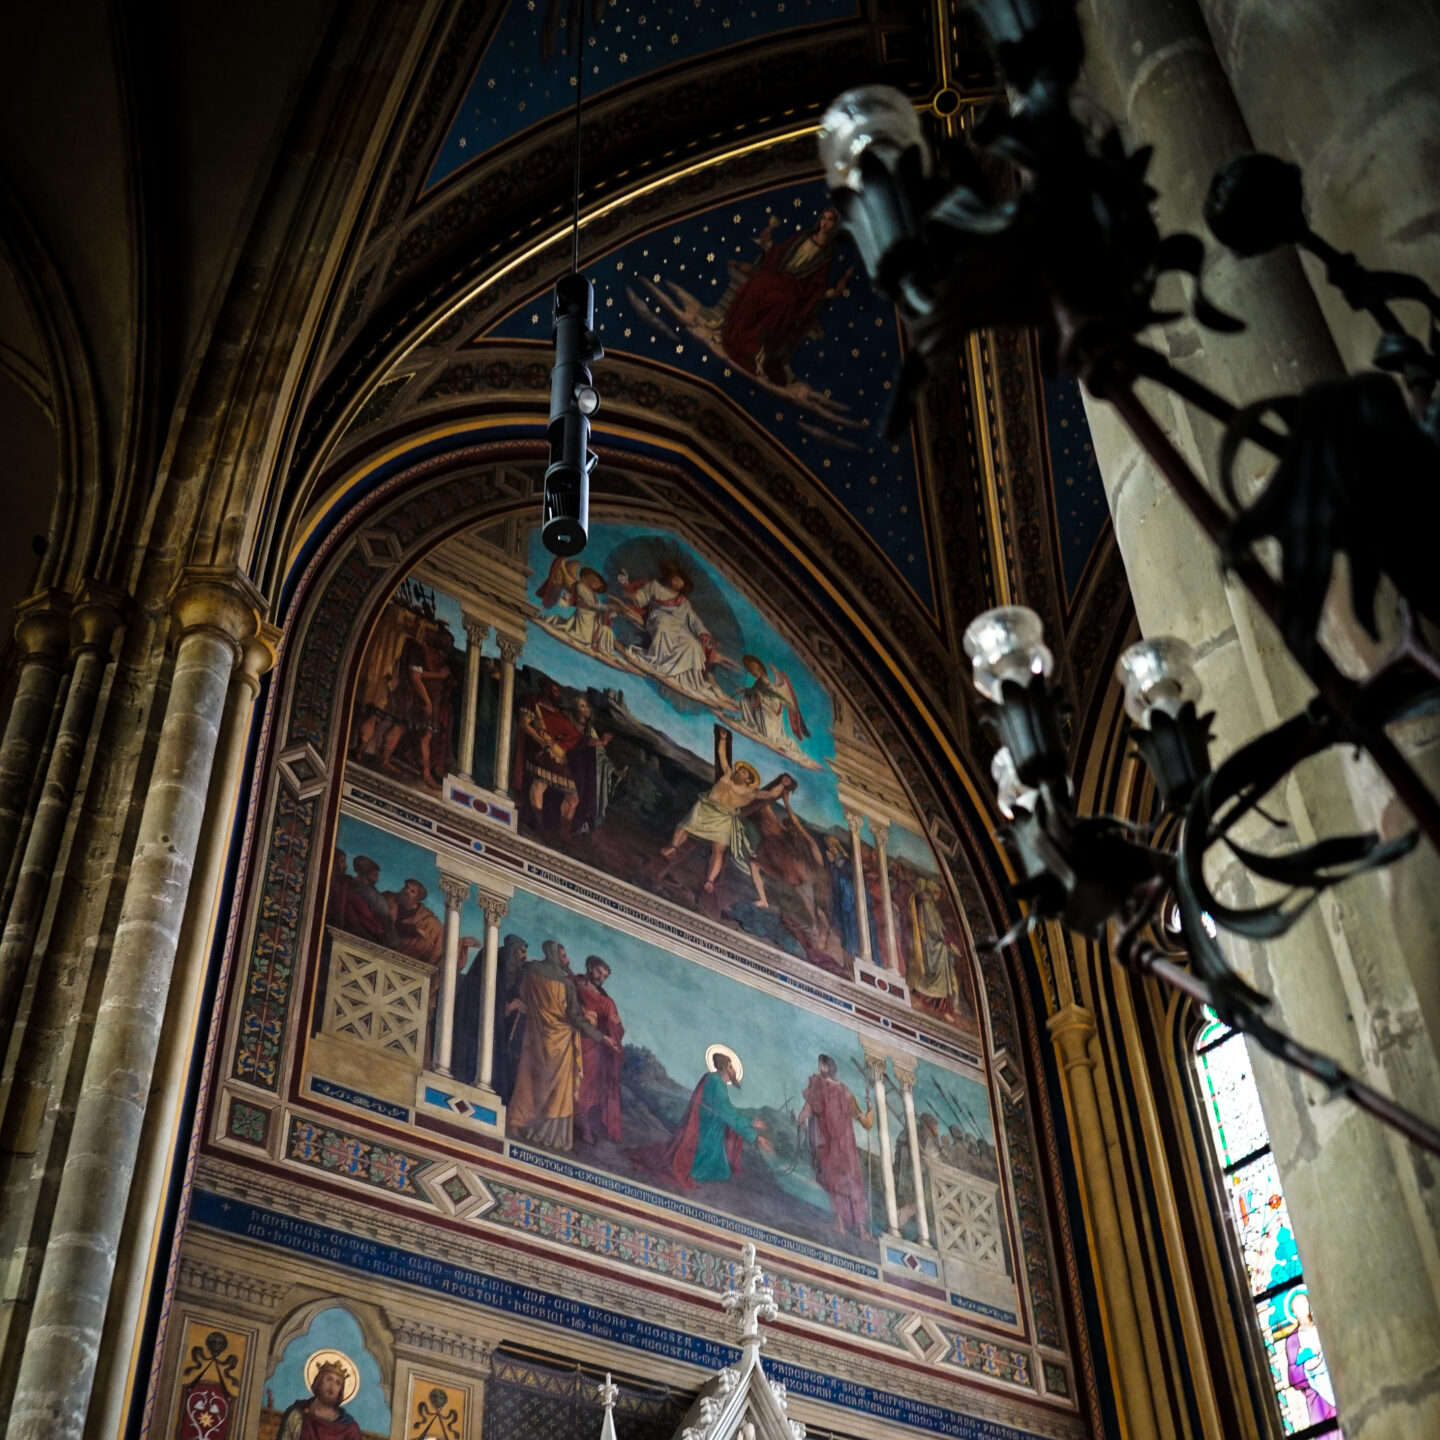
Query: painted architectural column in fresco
{"x":862,"y":910}
{"x":475,"y":633}
{"x":510,"y":649}
{"x":495,"y":911}
{"x":456,"y":892}
{"x":875,"y":1065}
{"x":881,"y":831}
{"x":905,"y":1078}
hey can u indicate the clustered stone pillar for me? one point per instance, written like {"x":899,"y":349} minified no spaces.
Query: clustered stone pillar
{"x":94,"y":620}
{"x":905,"y":1078}
{"x":456,"y":891}
{"x":510,"y":649}
{"x":184,"y":1028}
{"x":216,"y":612}
{"x":495,"y":911}
{"x":1072,"y":1030}
{"x":1344,"y":980}
{"x":856,"y":823}
{"x":875,"y":1064}
{"x":475,"y":633}
{"x":42,"y":637}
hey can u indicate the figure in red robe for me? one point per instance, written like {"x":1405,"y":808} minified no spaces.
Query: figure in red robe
{"x":321,"y":1416}
{"x":829,"y":1116}
{"x":597,"y":1103}
{"x":777,"y":307}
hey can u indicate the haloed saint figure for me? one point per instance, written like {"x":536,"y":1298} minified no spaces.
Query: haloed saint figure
{"x":322,"y":1416}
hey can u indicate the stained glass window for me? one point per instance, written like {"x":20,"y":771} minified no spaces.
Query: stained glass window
{"x":1262,"y":1225}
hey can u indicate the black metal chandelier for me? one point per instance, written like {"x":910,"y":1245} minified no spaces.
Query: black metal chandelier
{"x":1073,"y":251}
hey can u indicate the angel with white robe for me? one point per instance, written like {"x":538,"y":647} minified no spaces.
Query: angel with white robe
{"x":770,"y":708}
{"x":588,"y":625}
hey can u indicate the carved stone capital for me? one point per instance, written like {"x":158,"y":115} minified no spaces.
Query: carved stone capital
{"x":1071,"y":1029}
{"x":455,"y":890}
{"x":259,"y":653}
{"x":875,"y":1066}
{"x":218,"y":599}
{"x":880,"y":829}
{"x":98,"y":612}
{"x":855,"y":820}
{"x":42,"y":627}
{"x":475,"y":630}
{"x":495,"y":908}
{"x":510,"y":648}
{"x":904,"y":1067}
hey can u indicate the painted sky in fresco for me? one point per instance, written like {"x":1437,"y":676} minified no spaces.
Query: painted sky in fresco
{"x":1080,"y":506}
{"x":833,"y":419}
{"x":516,"y":87}
{"x":693,"y":726}
{"x":333,"y":1329}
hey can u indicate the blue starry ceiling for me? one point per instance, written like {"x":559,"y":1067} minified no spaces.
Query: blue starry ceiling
{"x":757,"y":298}
{"x":1080,"y":508}
{"x":527,"y":73}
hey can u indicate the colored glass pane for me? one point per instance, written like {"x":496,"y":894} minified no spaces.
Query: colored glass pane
{"x":1264,"y":1222}
{"x":1297,"y":1363}
{"x":1232,"y":1104}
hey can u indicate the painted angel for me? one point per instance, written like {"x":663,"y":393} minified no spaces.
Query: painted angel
{"x":589,"y":623}
{"x":770,"y":708}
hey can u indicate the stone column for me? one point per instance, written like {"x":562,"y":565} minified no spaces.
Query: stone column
{"x":456,"y":892}
{"x":185,"y":1028}
{"x":1072,"y":1030}
{"x":42,"y":638}
{"x":475,"y":633}
{"x":94,"y":621}
{"x":905,"y":1078}
{"x":881,"y":831}
{"x":1349,"y":90}
{"x":1357,"y":976}
{"x":216,"y":612}
{"x":875,"y":1064}
{"x":862,"y":902}
{"x":495,"y":911}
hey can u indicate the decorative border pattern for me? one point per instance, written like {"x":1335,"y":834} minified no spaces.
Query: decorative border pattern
{"x":383,"y":1166}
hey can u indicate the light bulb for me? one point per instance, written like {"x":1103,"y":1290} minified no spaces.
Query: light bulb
{"x":1006,"y":643}
{"x":1158,"y":675}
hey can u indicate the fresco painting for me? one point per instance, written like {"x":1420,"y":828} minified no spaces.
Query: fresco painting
{"x":666,"y":734}
{"x":657,"y":1070}
{"x":763,"y":299}
{"x":326,"y":1383}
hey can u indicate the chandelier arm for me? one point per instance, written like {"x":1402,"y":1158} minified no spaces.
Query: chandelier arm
{"x":1145,"y":958}
{"x":1337,"y":690}
{"x":1150,"y":365}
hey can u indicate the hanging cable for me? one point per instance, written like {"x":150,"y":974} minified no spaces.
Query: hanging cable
{"x":565,"y":522}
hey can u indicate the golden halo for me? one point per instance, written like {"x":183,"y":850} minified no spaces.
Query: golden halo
{"x":748,"y":769}
{"x":711,"y":1051}
{"x":334,"y":1357}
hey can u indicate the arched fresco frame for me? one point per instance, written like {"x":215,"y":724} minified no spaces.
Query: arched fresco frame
{"x":349,"y":571}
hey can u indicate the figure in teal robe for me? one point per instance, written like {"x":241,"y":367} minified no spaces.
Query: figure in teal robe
{"x":707,"y":1144}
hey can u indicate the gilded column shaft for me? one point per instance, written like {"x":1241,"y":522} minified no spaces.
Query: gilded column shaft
{"x":1072,"y":1029}
{"x":216,"y":613}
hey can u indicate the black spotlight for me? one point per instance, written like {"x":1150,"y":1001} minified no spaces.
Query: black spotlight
{"x":573,"y":400}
